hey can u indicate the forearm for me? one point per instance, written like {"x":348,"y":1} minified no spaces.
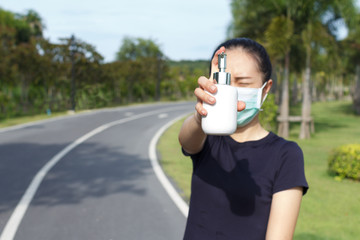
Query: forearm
{"x":191,"y":136}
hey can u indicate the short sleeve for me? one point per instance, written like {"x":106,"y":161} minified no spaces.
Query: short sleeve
{"x":196,"y":158}
{"x":291,"y":171}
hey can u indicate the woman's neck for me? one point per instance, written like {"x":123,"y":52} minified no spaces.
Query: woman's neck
{"x":251,"y":132}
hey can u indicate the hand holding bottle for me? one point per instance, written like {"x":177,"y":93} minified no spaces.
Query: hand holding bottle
{"x":206,"y":86}
{"x":222,"y":116}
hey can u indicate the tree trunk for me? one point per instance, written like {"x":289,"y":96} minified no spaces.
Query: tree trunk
{"x":294,"y":99}
{"x":283,"y":130}
{"x":314,"y":95}
{"x":306,"y":103}
{"x":356,"y":100}
{"x":341,"y":88}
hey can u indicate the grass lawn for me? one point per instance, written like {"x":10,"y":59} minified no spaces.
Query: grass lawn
{"x":331,"y":209}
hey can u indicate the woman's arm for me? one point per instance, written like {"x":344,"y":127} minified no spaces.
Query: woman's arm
{"x":284,"y":212}
{"x":191,"y":136}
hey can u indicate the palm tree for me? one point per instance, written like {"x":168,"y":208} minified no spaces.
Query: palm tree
{"x":279,"y":47}
{"x":321,"y":18}
{"x":315,"y":24}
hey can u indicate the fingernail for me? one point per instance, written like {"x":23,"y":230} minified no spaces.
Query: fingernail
{"x":203,"y":112}
{"x":211,"y":99}
{"x":212,"y":88}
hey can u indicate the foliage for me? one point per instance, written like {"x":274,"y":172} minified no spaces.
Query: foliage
{"x":344,"y":161}
{"x":268,"y":116}
{"x":296,"y":34}
{"x":279,"y":26}
{"x":36,"y":75}
{"x":137,"y":48}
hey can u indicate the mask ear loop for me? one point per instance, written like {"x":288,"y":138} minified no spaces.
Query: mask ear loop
{"x":263,"y":100}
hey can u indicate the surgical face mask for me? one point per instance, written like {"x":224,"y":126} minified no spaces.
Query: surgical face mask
{"x":253,"y":99}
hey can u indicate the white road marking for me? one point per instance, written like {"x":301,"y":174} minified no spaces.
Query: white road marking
{"x":78,"y":114}
{"x":15,"y":219}
{"x":163,"y":115}
{"x":179,"y":202}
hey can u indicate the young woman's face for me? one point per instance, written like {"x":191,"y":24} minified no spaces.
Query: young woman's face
{"x":243,"y":68}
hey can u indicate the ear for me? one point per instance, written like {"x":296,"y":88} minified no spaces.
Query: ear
{"x":268,"y":86}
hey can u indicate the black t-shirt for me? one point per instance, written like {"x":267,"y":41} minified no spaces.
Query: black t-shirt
{"x":233,"y":183}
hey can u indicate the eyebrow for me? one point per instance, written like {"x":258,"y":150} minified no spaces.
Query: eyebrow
{"x":240,"y":78}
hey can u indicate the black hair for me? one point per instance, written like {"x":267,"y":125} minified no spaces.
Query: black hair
{"x":254,"y":49}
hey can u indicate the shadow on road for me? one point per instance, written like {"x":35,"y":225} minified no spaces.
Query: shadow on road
{"x":89,"y":170}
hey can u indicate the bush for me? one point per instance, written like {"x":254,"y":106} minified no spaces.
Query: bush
{"x":268,"y":116}
{"x":344,"y":161}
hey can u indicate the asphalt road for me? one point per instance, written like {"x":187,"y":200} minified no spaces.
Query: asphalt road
{"x":103,"y":188}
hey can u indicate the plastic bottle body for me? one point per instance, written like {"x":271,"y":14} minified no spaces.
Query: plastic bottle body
{"x":222,"y":116}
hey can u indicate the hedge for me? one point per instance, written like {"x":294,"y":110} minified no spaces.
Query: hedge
{"x":344,"y":161}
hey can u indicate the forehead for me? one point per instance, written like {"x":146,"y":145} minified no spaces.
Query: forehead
{"x":240,"y":62}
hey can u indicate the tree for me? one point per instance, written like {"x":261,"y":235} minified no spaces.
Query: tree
{"x":321,"y":18}
{"x":353,"y":54}
{"x":280,"y":48}
{"x":35,"y":23}
{"x":315,"y":25}
{"x":145,"y":66}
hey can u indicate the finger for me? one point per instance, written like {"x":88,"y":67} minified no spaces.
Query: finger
{"x":203,"y":96}
{"x":215,"y":61}
{"x":240,"y":106}
{"x":200,"y":109}
{"x":207,"y":84}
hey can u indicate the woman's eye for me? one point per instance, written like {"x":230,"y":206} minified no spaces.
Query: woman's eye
{"x":240,"y":84}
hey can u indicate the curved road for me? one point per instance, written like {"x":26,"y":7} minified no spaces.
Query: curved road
{"x":101,"y":186}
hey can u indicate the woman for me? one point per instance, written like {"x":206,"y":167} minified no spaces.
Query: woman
{"x":248,"y":185}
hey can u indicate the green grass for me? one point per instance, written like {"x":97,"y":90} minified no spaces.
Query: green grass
{"x":8,"y":122}
{"x":175,"y":164}
{"x":13,"y":121}
{"x":331,"y":209}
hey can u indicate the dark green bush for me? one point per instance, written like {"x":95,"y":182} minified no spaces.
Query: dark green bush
{"x":344,"y":161}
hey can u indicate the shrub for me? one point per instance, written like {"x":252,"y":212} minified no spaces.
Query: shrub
{"x":269,"y":114}
{"x":344,"y":161}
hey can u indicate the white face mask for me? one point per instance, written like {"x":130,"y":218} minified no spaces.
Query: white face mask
{"x":253,"y":99}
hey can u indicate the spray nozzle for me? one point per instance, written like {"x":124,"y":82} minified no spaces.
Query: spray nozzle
{"x":222,"y":62}
{"x":222,"y":77}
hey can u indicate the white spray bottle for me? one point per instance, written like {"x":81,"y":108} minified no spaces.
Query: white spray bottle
{"x":222,"y":116}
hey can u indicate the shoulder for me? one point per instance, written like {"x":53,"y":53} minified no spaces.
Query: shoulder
{"x":289,"y":167}
{"x":286,"y":147}
{"x":291,"y":150}
{"x":288,"y":156}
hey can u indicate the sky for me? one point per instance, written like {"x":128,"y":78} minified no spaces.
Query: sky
{"x":184,"y":29}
